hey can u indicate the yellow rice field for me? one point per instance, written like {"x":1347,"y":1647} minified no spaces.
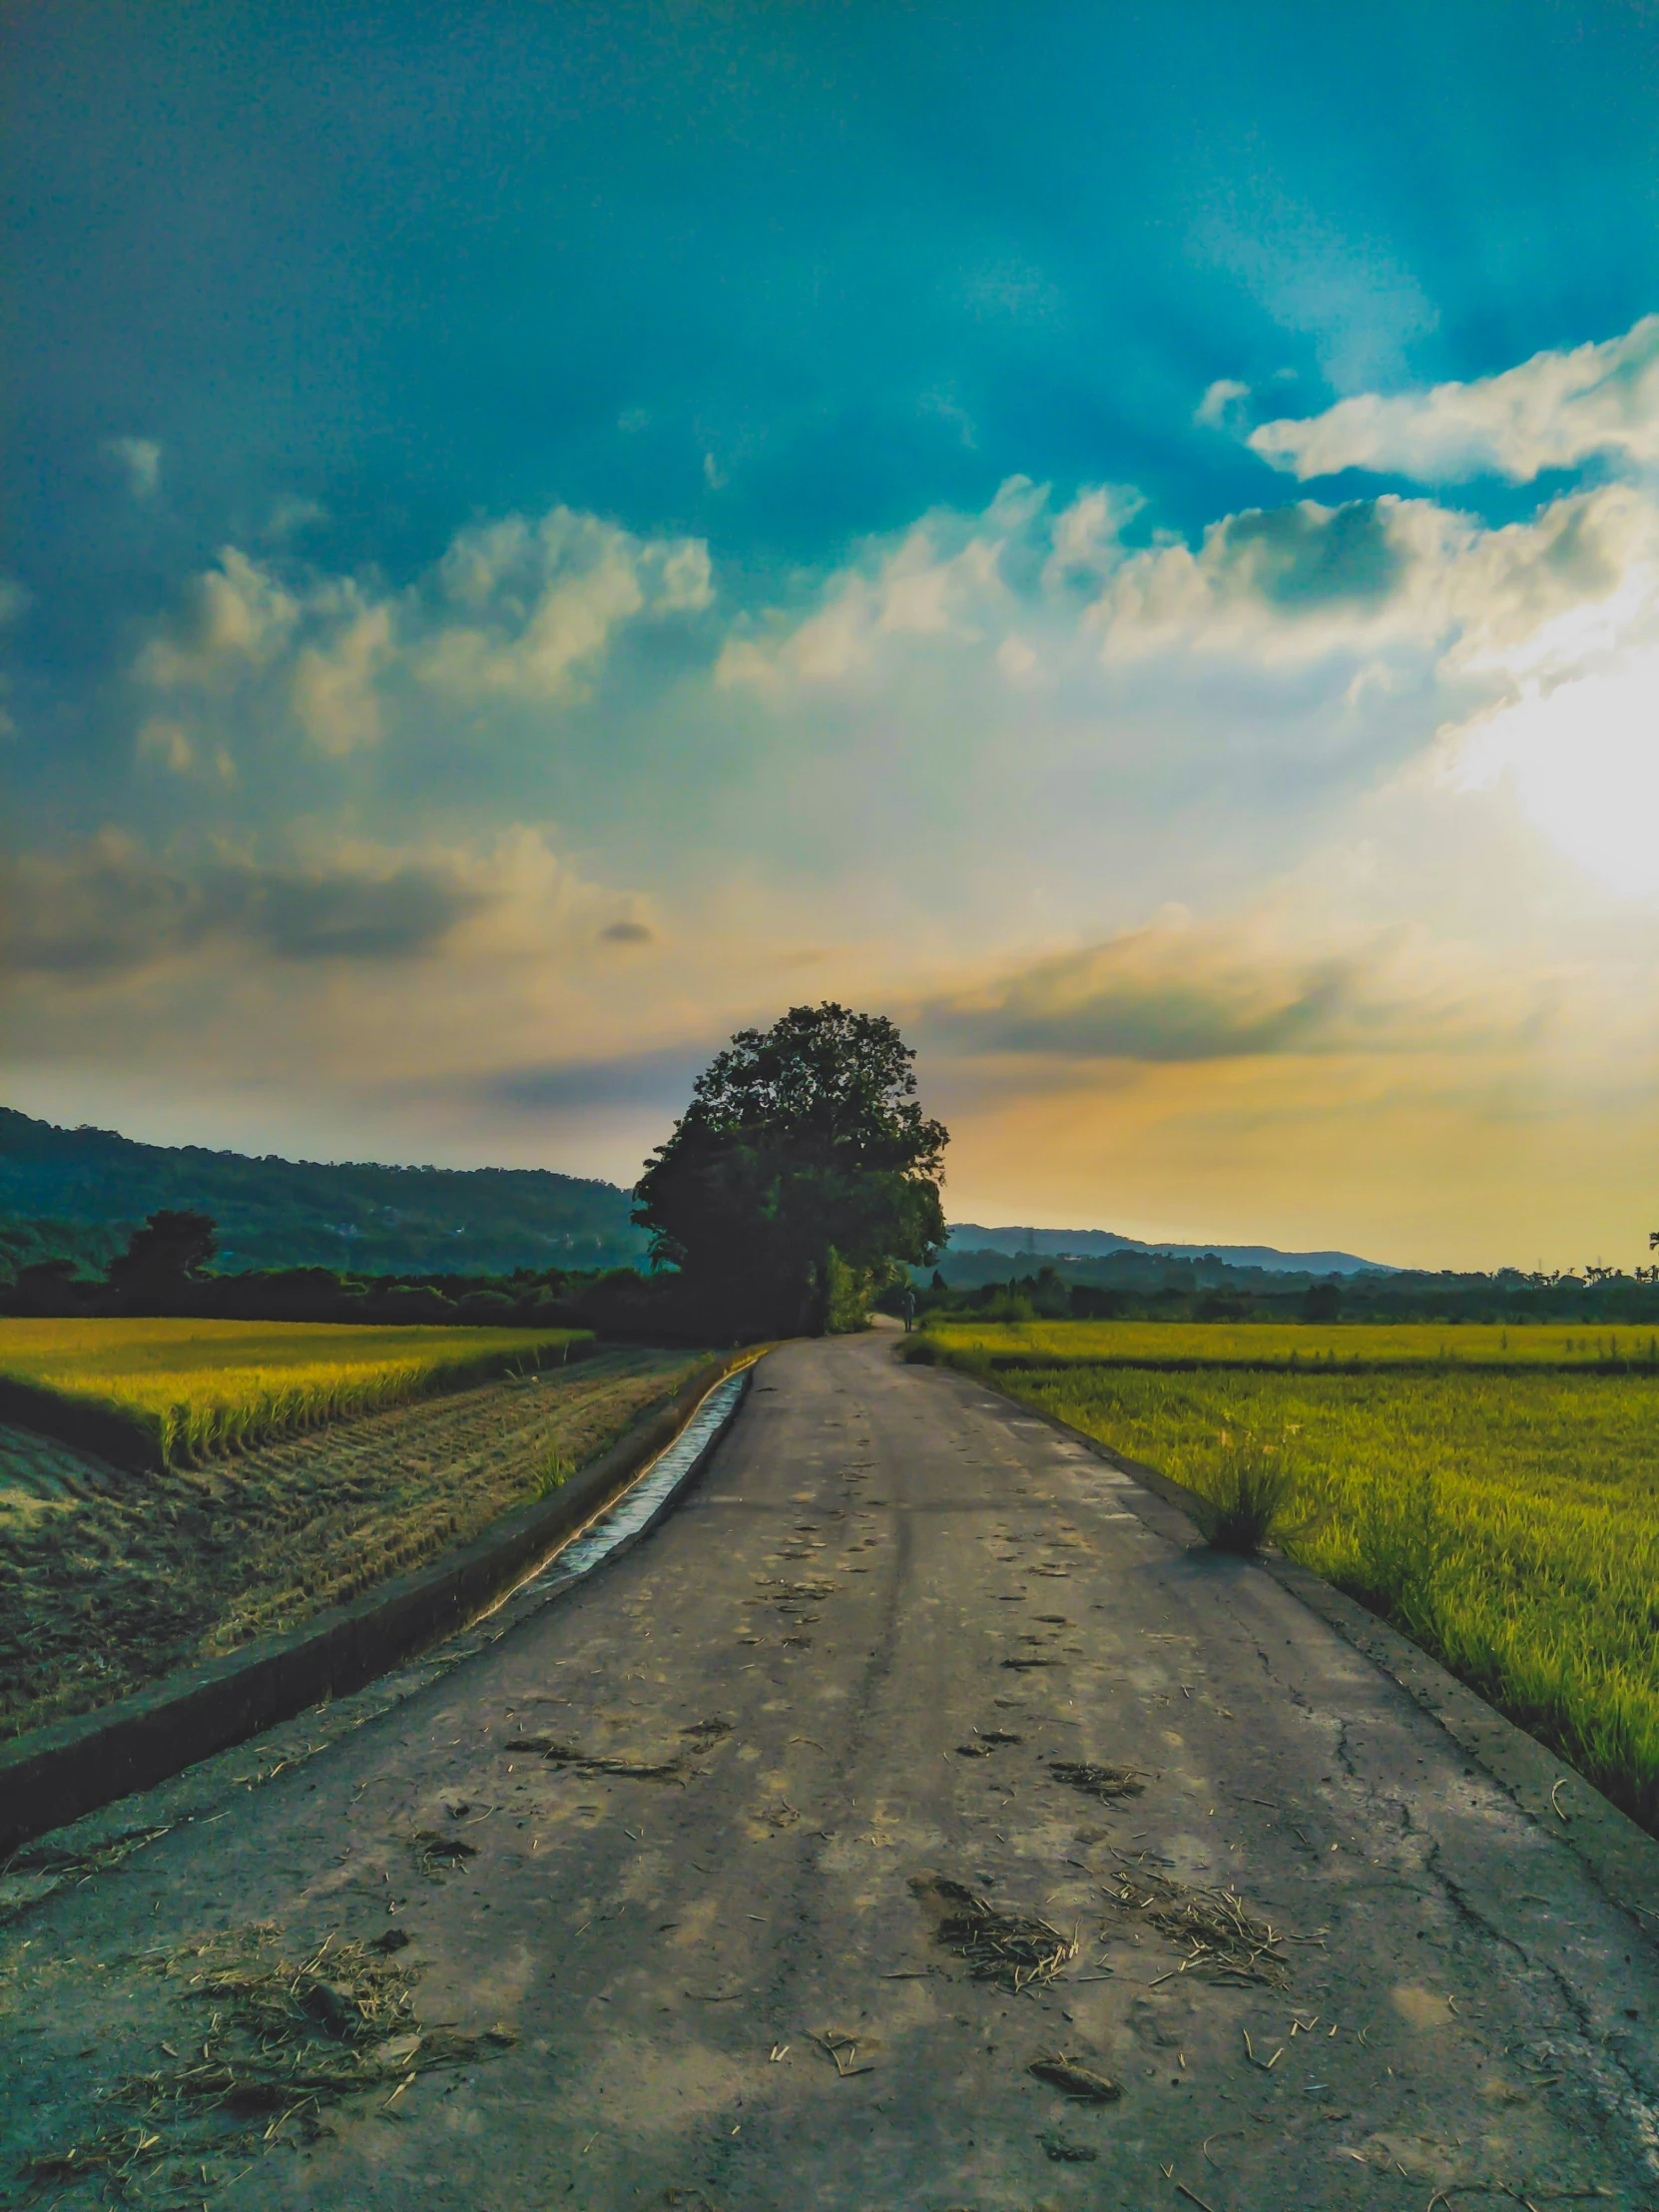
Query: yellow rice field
{"x":185,"y":1390}
{"x":1302,"y":1344}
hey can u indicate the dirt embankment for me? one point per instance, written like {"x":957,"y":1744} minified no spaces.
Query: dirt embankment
{"x":109,"y":1578}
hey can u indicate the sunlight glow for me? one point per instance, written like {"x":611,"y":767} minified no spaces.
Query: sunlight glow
{"x":1584,"y":761}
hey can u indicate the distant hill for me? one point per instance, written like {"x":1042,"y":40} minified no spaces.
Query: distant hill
{"x":79,"y":1191}
{"x":1049,"y":1244}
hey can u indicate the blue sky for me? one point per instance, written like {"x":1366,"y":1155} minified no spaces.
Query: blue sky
{"x":534,"y":534}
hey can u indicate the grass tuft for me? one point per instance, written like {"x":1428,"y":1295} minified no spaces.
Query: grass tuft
{"x":1246,"y":1498}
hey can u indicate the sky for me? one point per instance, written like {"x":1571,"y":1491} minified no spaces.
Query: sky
{"x":1125,"y":537}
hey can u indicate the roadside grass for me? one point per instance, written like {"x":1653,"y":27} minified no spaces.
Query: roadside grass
{"x":1355,"y":1346}
{"x":1507,"y":1521}
{"x":174,"y":1393}
{"x":1249,"y":1496}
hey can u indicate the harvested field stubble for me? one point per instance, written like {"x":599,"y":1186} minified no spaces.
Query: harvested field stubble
{"x":1505,"y":1518}
{"x":174,"y":1393}
{"x":110,"y":1577}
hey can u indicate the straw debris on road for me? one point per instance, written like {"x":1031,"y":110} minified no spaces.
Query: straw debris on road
{"x":1009,"y":1947}
{"x":1225,"y":1941}
{"x":281,"y":2041}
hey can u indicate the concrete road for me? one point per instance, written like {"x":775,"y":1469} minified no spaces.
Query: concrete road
{"x":852,"y":1666}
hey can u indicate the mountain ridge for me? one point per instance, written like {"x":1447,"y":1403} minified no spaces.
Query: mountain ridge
{"x":357,"y":1216}
{"x":1097,"y":1243}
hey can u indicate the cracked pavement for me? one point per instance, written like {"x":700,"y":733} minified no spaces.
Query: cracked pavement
{"x":694,"y":1797}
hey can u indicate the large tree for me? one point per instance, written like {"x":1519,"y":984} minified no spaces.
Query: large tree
{"x":802,"y":1154}
{"x":164,"y":1257}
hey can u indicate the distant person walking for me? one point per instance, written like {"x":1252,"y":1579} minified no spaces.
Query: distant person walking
{"x":909,"y":1308}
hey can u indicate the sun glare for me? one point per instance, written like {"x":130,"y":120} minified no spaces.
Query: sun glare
{"x":1585,"y":762}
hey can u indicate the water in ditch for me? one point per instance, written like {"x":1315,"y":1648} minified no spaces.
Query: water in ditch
{"x":639,"y":1506}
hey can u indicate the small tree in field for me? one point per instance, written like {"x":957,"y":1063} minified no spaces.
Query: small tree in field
{"x":163,"y":1257}
{"x":802,"y":1154}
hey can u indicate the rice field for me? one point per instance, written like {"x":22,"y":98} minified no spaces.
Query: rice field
{"x":1502,"y":1508}
{"x":174,"y":1393}
{"x":1299,"y":1345}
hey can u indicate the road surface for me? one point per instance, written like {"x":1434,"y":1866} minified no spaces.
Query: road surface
{"x":862,"y":1659}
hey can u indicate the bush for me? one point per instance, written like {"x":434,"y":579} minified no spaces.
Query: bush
{"x":846,"y":1293}
{"x":1243,"y":1502}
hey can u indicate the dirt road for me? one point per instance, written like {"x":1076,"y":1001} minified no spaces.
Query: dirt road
{"x":728,"y":1859}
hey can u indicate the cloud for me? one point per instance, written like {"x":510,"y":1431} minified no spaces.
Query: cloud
{"x":1178,"y":991}
{"x":15,"y":600}
{"x":292,"y":515}
{"x":528,"y":605}
{"x":1360,"y":307}
{"x":515,"y":610}
{"x":1553,"y":412}
{"x":165,"y":743}
{"x":950,"y":582}
{"x":660,"y":1078}
{"x":107,"y":907}
{"x":1583,"y":760}
{"x":1221,"y":407}
{"x":1274,"y":587}
{"x":140,"y":462}
{"x":238,"y":618}
{"x":334,"y":696}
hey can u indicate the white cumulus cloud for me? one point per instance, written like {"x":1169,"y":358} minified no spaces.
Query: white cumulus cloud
{"x":1553,"y":412}
{"x":518,"y":609}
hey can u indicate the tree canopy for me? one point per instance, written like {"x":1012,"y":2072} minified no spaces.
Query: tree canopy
{"x":802,"y":1154}
{"x":171,"y":1248}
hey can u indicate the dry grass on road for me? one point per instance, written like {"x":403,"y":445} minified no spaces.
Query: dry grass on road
{"x":110,"y":1577}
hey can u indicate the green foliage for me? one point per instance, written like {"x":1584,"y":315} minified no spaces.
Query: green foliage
{"x":162,"y":1258}
{"x":846,"y":1293}
{"x":80,"y":1192}
{"x":553,"y":1475}
{"x":88,"y":1248}
{"x":1402,"y":1547}
{"x":801,"y":1141}
{"x":1244,"y":1498}
{"x":1355,"y":1349}
{"x":1144,"y":1285}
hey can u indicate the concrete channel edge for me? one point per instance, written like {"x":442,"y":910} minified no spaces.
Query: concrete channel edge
{"x":54,"y":1775}
{"x":1622,"y":1858}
